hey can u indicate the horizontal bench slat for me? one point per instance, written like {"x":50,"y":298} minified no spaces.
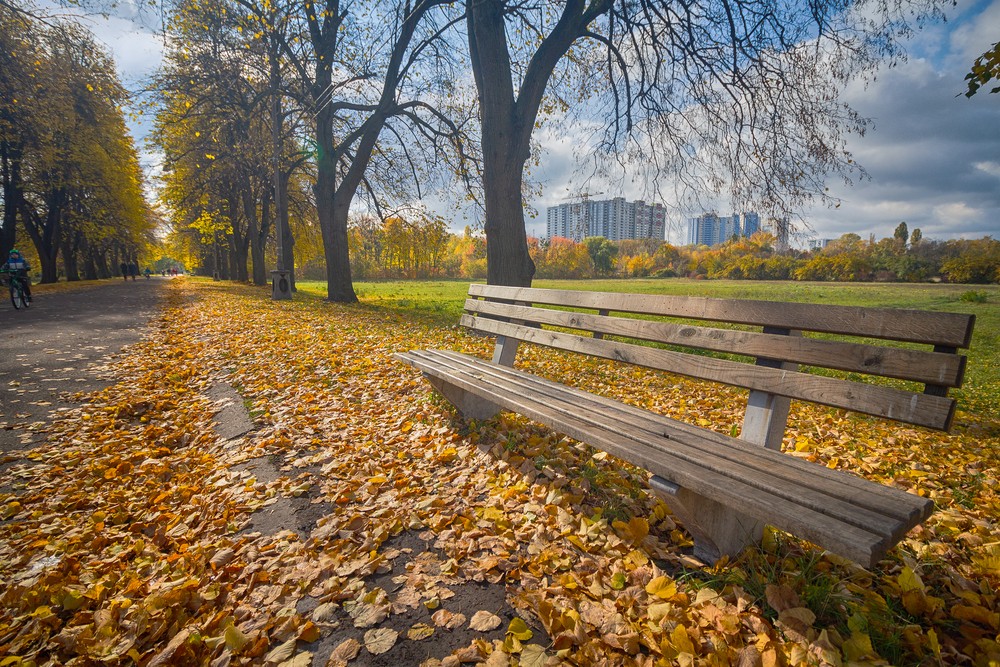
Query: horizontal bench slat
{"x":922,"y":409}
{"x":902,"y":507}
{"x":943,"y":329}
{"x":917,"y":365}
{"x":851,"y":541}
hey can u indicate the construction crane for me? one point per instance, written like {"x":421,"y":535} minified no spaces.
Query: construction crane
{"x":583,"y":222}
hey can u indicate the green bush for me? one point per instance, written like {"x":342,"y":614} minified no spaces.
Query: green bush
{"x":973,"y":296}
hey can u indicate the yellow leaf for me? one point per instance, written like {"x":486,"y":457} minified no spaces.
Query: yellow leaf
{"x":662,"y":587}
{"x":420,"y":631}
{"x":309,"y":632}
{"x":681,"y":641}
{"x":859,"y":646}
{"x":235,"y":639}
{"x":618,"y":581}
{"x":910,"y":580}
{"x":519,"y":630}
{"x":932,"y":640}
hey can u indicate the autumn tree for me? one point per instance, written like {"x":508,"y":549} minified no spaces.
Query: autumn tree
{"x":740,"y":94}
{"x":220,"y":122}
{"x":71,"y":173}
{"x":376,"y":79}
{"x":985,"y":69}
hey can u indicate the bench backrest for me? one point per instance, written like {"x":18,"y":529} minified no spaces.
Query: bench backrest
{"x":776,"y":349}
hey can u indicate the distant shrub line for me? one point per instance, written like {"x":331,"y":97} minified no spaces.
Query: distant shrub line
{"x":418,"y":252}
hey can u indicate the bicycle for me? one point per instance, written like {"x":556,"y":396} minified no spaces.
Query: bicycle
{"x":18,"y":298}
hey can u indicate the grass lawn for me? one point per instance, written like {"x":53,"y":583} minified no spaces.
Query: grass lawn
{"x":440,"y":301}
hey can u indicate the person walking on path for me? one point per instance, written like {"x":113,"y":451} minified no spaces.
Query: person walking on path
{"x":124,"y":267}
{"x":133,"y":270}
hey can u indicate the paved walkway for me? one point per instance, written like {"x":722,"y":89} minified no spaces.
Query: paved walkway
{"x":55,"y":348}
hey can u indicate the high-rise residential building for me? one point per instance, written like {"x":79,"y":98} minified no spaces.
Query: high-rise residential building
{"x":614,"y":219}
{"x":781,"y":228}
{"x":750,"y":224}
{"x":712,"y":229}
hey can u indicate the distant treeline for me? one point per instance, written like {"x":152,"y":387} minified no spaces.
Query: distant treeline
{"x":402,"y":249}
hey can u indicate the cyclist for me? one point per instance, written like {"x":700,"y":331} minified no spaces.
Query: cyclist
{"x":16,"y":265}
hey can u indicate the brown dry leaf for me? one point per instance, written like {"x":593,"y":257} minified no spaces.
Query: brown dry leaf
{"x":346,"y":651}
{"x":324,"y":612}
{"x":533,"y":655}
{"x":781,"y":597}
{"x":303,"y":659}
{"x":484,"y":621}
{"x":280,"y":653}
{"x":448,"y":620}
{"x":166,"y":656}
{"x":366,"y":615}
{"x":380,"y":640}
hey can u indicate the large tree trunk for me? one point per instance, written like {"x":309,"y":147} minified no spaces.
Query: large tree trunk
{"x":508,"y":118}
{"x":332,"y":215}
{"x":46,"y":235}
{"x":10,"y":170}
{"x":258,"y":234}
{"x":101,"y":260}
{"x":89,"y":259}
{"x":69,"y":256}
{"x":507,"y":258}
{"x":239,"y":242}
{"x":287,"y":240}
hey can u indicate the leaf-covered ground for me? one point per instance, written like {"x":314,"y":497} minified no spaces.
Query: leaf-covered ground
{"x":400,"y":534}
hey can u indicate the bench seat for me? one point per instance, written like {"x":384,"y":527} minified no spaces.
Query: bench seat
{"x":724,"y":490}
{"x":846,"y":514}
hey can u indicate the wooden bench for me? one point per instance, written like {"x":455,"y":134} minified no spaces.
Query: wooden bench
{"x":723,"y":489}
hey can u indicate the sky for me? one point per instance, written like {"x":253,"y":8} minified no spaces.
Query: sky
{"x":932,"y":155}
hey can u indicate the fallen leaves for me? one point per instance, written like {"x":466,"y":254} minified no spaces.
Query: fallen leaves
{"x":484,"y":621}
{"x":380,"y":640}
{"x":122,"y":539}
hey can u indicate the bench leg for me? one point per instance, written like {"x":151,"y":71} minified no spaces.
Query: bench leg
{"x":468,"y":404}
{"x":718,"y":530}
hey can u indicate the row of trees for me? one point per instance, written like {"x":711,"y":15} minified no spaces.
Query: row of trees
{"x":69,"y":169}
{"x":424,"y":249}
{"x":287,"y":114}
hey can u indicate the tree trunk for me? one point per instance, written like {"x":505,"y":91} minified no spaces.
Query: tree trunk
{"x":69,"y":256}
{"x":507,"y":121}
{"x":10,"y":170}
{"x":90,"y":271}
{"x":507,"y":258}
{"x":332,"y":217}
{"x":287,"y":240}
{"x":46,"y":235}
{"x":257,"y":234}
{"x":101,"y":260}
{"x":239,"y":242}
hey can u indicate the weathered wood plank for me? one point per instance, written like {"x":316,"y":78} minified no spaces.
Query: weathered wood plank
{"x":848,"y":540}
{"x":928,"y":367}
{"x":852,"y":499}
{"x":915,"y":326}
{"x":894,"y":502}
{"x":921,"y":409}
